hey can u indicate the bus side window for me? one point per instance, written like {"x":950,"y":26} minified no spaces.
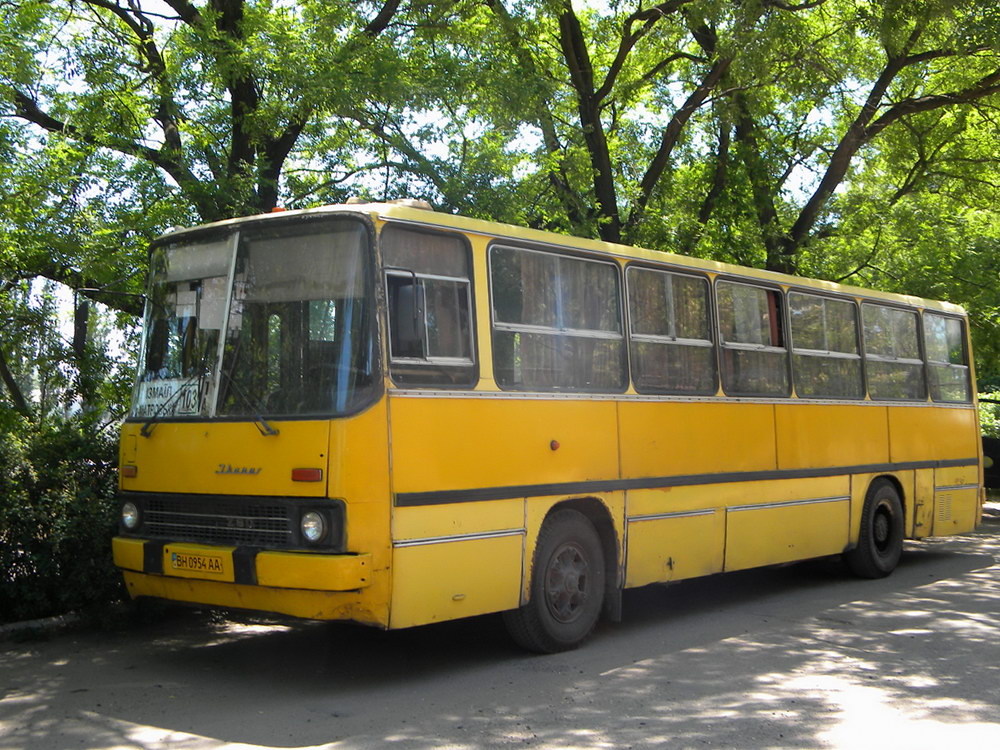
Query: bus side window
{"x":947,"y":358}
{"x":826,"y":362}
{"x":892,"y":353}
{"x":754,"y":357}
{"x":429,"y":301}
{"x":670,"y":335}
{"x":557,"y":322}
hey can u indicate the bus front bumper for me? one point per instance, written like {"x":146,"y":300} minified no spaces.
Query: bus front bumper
{"x":312,"y":586}
{"x":234,"y":565}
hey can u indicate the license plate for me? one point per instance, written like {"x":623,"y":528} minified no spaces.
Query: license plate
{"x":206,"y":564}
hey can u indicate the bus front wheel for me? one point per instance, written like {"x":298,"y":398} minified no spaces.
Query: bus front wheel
{"x":880,"y":542}
{"x":567,"y":586}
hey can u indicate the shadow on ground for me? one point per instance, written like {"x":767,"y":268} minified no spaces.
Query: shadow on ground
{"x":798,"y":656}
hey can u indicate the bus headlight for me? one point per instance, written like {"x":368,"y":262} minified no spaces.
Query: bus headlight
{"x":130,"y":516}
{"x":313,"y":526}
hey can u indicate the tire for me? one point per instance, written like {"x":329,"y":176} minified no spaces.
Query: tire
{"x":567,"y":586}
{"x":880,"y":542}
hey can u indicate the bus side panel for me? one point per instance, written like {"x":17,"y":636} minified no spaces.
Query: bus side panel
{"x":472,"y":443}
{"x":491,"y":441}
{"x":956,"y":500}
{"x":448,"y":580}
{"x":920,"y":521}
{"x":423,"y":522}
{"x":668,"y":545}
{"x":670,"y":438}
{"x":790,"y":520}
{"x":818,"y":435}
{"x":918,"y":433}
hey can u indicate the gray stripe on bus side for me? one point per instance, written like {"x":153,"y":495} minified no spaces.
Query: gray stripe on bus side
{"x":458,"y":538}
{"x":478,"y":494}
{"x":953,"y":487}
{"x":789,"y":503}
{"x":675,"y":514}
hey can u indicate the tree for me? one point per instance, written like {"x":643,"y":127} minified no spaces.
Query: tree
{"x":741,"y":130}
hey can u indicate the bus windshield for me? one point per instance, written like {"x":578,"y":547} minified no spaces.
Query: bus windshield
{"x":296,"y":304}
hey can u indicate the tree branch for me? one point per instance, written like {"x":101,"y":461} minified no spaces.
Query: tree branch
{"x":28,"y":109}
{"x":671,"y":135}
{"x":629,"y":39}
{"x":276,"y":151}
{"x":762,"y":190}
{"x":557,"y":177}
{"x":13,"y":389}
{"x":378,"y":24}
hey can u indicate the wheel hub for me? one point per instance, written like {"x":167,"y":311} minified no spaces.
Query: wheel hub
{"x":566,"y":583}
{"x":880,"y":530}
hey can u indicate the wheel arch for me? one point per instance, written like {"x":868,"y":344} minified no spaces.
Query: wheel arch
{"x":599,"y":514}
{"x":882,"y":530}
{"x":898,"y":486}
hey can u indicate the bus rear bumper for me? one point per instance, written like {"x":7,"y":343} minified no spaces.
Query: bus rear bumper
{"x":316,"y":586}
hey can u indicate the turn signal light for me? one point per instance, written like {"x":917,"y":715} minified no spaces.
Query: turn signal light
{"x":307,"y":475}
{"x":128,"y":471}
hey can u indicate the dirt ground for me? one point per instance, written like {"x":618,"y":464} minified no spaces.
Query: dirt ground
{"x":801,"y":656}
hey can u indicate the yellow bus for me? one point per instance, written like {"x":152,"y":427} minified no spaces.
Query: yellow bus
{"x":390,"y":415}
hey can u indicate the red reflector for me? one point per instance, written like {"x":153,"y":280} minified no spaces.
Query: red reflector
{"x":128,"y":471}
{"x":307,"y":475}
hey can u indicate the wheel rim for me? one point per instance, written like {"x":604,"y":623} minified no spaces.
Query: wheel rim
{"x":882,"y":529}
{"x":566,"y":582}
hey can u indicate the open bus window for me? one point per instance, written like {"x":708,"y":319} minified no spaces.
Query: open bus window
{"x":754,"y":357}
{"x":185,"y":304}
{"x":892,"y":353}
{"x":947,"y":361}
{"x":826,"y":362}
{"x":670,"y":341}
{"x":429,"y":301}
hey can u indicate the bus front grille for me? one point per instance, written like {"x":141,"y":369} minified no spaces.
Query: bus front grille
{"x":234,"y":520}
{"x":241,"y":522}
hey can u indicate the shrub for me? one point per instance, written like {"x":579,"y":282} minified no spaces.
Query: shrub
{"x":57,"y":516}
{"x":989,"y":416}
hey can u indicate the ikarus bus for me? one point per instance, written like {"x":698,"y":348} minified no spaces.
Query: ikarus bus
{"x":380,"y":413}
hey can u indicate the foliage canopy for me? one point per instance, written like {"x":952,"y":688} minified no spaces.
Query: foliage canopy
{"x":854,"y":140}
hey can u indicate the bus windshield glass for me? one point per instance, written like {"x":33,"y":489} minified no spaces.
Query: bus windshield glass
{"x":296,"y":305}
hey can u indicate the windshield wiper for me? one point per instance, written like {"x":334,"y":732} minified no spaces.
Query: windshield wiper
{"x":147,"y":427}
{"x":262,"y":424}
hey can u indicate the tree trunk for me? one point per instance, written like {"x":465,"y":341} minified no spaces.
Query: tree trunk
{"x":13,"y":389}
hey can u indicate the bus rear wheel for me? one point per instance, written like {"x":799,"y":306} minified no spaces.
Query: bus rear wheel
{"x":567,"y":586}
{"x":880,"y":542}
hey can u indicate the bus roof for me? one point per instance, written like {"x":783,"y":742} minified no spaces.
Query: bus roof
{"x":405,"y":212}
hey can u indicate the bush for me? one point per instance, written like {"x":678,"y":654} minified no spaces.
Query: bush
{"x":57,"y":517}
{"x":989,"y":416}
